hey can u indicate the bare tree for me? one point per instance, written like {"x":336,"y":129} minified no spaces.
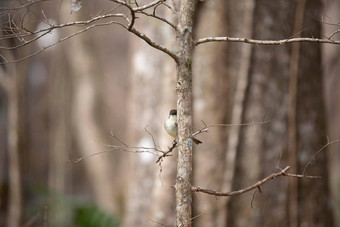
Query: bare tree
{"x":183,"y":57}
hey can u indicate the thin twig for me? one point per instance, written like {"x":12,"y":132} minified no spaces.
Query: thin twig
{"x":165,"y":154}
{"x":155,"y":222}
{"x":147,"y":6}
{"x":111,"y":133}
{"x":253,"y":198}
{"x":152,"y":137}
{"x":23,"y":6}
{"x":159,"y":18}
{"x":133,"y":17}
{"x":335,"y":32}
{"x":317,"y":153}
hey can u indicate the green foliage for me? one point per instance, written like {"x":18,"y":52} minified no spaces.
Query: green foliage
{"x":92,"y":216}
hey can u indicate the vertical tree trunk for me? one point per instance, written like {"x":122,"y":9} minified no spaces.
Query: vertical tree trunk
{"x":331,"y":69}
{"x":146,"y":98}
{"x":211,"y":88}
{"x":11,"y":81}
{"x":84,"y":72}
{"x":163,"y":196}
{"x":262,"y":146}
{"x":239,"y":56}
{"x":15,"y":198}
{"x":86,"y":128}
{"x":184,"y":111}
{"x":59,"y":140}
{"x":313,"y":196}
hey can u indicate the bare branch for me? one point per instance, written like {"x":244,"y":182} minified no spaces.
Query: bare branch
{"x":264,"y":42}
{"x":154,"y":44}
{"x":60,"y":40}
{"x":335,"y":32}
{"x":93,"y":20}
{"x":58,"y":26}
{"x":147,"y":6}
{"x":23,"y":6}
{"x":124,"y":148}
{"x":317,"y":153}
{"x":25,"y":42}
{"x":253,"y":197}
{"x":165,"y":154}
{"x":133,"y":17}
{"x":111,"y":133}
{"x":152,"y":137}
{"x":254,"y":186}
{"x":89,"y":156}
{"x":159,"y":18}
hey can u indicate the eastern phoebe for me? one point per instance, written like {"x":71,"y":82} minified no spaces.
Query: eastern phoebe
{"x":170,"y":126}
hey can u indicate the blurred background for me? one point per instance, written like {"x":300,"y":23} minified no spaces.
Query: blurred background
{"x":66,"y":103}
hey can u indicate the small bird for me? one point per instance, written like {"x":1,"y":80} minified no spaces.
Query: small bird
{"x":171,"y":127}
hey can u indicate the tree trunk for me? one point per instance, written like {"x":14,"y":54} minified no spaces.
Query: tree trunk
{"x":59,"y":140}
{"x":184,"y":111}
{"x":87,"y":133}
{"x":163,"y":196}
{"x":262,"y":145}
{"x":239,"y":55}
{"x":313,"y":197}
{"x":331,"y":69}
{"x":11,"y":83}
{"x":145,"y":110}
{"x":15,"y":197}
{"x":211,"y":88}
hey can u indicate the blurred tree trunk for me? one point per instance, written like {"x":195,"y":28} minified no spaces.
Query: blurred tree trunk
{"x":211,"y":87}
{"x":239,"y":55}
{"x":12,"y":86}
{"x":331,"y":66}
{"x":313,"y":197}
{"x":163,"y":194}
{"x":261,"y":146}
{"x":87,"y":133}
{"x":146,"y":110}
{"x":60,"y":140}
{"x":86,"y":129}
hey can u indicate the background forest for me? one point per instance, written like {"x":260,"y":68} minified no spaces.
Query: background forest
{"x":107,"y":87}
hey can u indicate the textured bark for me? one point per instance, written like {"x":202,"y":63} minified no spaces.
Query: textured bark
{"x":184,"y":114}
{"x":262,"y":146}
{"x":210,"y":86}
